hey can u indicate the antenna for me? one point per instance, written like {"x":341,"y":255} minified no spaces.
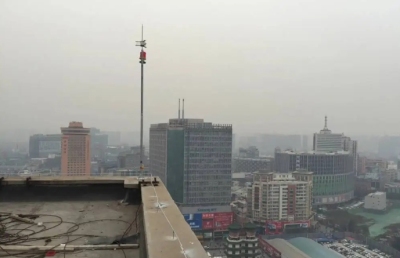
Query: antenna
{"x":142,"y":58}
{"x":183,"y":109}
{"x":326,"y":122}
{"x":179,"y":109}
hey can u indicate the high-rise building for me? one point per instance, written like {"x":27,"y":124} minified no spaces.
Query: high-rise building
{"x":41,"y":146}
{"x":326,"y":141}
{"x":333,"y":173}
{"x":98,"y":144}
{"x":280,"y":196}
{"x":194,"y":160}
{"x":352,"y":147}
{"x":75,"y":146}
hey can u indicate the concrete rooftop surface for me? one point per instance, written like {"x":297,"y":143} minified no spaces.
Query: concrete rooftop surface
{"x":92,"y":217}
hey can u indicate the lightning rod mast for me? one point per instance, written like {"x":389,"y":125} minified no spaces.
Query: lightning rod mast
{"x":142,"y":58}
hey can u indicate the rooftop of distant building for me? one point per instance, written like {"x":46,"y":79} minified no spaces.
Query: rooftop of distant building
{"x":376,"y":194}
{"x":312,"y":248}
{"x":314,"y":152}
{"x":287,"y":249}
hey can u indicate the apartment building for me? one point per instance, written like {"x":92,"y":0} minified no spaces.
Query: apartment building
{"x":75,"y":150}
{"x":280,"y":196}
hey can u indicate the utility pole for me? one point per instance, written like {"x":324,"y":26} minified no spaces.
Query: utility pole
{"x":142,"y":58}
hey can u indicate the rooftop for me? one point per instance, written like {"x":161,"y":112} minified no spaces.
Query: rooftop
{"x":241,"y":175}
{"x":312,"y":248}
{"x":263,"y":159}
{"x":287,"y":249}
{"x":315,"y":153}
{"x":92,"y":217}
{"x":392,"y":185}
{"x":376,"y":194}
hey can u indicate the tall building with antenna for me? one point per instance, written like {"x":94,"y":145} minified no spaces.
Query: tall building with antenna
{"x":326,"y":141}
{"x":193,"y":158}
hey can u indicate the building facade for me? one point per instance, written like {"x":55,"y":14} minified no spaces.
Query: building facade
{"x":333,"y":174}
{"x":375,"y":201}
{"x":280,"y":196}
{"x":75,"y":146}
{"x":352,"y":147}
{"x":98,"y":144}
{"x":366,"y":165}
{"x":194,"y":160}
{"x":41,"y":146}
{"x":252,"y":164}
{"x":326,"y":141}
{"x":131,"y":159}
{"x":242,"y":242}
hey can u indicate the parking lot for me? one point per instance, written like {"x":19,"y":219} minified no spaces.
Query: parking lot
{"x":343,"y":247}
{"x":352,"y":250}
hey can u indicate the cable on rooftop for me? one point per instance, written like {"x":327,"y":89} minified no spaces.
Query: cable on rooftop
{"x":11,"y":232}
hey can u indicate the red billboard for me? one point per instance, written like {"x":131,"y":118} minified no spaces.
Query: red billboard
{"x":277,"y":227}
{"x":222,"y":220}
{"x":273,"y":227}
{"x":218,"y":221}
{"x":269,"y":249}
{"x":208,"y":216}
{"x":208,"y":224}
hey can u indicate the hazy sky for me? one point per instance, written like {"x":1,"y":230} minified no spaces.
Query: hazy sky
{"x":265,"y":66}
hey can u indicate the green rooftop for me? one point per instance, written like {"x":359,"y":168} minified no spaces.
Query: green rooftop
{"x":313,"y":249}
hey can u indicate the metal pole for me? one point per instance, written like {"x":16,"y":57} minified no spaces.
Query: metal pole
{"x":141,"y":114}
{"x":142,"y":62}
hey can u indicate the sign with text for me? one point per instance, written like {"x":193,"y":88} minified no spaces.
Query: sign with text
{"x":222,"y":220}
{"x":205,"y":209}
{"x":208,"y":224}
{"x":194,"y":220}
{"x":208,"y":216}
{"x":277,"y":227}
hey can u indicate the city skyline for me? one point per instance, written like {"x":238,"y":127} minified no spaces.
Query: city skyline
{"x":90,"y":135}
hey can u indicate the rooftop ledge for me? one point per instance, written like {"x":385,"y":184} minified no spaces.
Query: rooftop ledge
{"x":104,"y":207}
